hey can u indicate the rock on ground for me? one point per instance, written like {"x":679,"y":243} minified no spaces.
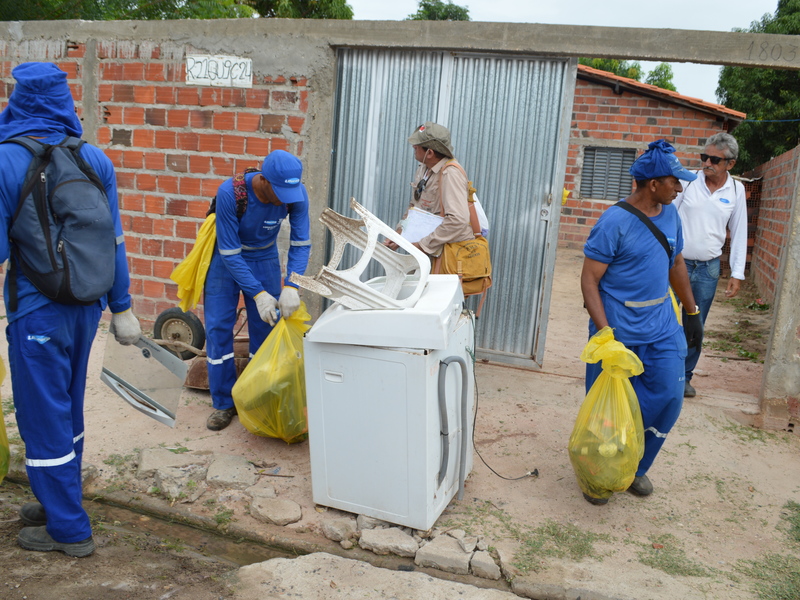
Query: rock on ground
{"x":323,"y":576}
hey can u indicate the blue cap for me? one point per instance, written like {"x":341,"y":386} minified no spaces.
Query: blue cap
{"x":284,"y":172}
{"x":659,"y":161}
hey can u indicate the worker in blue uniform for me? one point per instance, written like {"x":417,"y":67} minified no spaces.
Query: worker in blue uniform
{"x":49,"y":342}
{"x":626,"y":281}
{"x":246,"y":261}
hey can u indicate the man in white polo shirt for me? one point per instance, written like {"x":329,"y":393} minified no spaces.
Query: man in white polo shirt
{"x":709,"y":207}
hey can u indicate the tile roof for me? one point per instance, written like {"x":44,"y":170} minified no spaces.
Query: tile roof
{"x":585,"y":72}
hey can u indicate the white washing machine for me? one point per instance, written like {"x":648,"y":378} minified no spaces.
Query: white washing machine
{"x":390,"y":400}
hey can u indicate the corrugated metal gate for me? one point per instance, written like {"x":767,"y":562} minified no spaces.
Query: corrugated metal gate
{"x":509,"y":120}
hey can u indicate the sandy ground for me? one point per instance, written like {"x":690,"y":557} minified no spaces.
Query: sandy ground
{"x":720,"y":487}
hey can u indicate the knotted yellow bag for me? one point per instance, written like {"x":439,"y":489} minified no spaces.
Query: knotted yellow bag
{"x":270,"y":394}
{"x":607,"y":441}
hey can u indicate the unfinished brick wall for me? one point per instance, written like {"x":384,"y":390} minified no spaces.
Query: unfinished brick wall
{"x":778,"y":191}
{"x":172,"y":144}
{"x":601,"y":117}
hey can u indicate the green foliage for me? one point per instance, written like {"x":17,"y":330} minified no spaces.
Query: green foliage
{"x":771,"y":97}
{"x":774,"y":577}
{"x":622,"y":68}
{"x":108,"y":10}
{"x":664,"y":554}
{"x":791,"y":514}
{"x":661,"y":76}
{"x":437,"y":10}
{"x":302,"y":9}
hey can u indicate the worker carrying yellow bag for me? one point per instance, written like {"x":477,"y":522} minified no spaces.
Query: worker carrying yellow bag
{"x":607,"y":441}
{"x":270,"y":394}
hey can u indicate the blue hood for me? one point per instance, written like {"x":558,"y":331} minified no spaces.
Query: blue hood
{"x":41,"y":103}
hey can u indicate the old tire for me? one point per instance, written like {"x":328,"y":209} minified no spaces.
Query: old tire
{"x":175,"y":325}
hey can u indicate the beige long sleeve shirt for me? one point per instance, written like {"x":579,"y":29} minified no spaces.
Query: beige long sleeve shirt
{"x":445,"y":194}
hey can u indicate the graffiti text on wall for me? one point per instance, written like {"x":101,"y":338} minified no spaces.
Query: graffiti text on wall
{"x":221,"y":71}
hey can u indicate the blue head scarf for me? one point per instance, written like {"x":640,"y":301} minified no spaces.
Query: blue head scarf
{"x":41,"y":103}
{"x":659,"y":161}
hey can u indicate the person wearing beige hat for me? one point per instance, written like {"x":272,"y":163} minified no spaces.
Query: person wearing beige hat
{"x":439,"y":187}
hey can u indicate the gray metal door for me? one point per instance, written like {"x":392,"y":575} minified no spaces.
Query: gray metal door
{"x":509,"y":119}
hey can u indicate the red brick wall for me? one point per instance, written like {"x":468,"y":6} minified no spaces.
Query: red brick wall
{"x":778,"y":189}
{"x":172,"y":144}
{"x":602,"y":118}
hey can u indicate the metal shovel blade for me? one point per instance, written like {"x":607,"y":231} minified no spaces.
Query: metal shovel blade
{"x":145,"y":375}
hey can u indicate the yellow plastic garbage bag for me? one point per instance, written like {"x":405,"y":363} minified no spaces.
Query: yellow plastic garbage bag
{"x":270,"y":394}
{"x":607,"y":441}
{"x":5,"y":452}
{"x":190,"y":275}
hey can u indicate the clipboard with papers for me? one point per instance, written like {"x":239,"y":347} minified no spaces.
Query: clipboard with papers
{"x":419,"y":223}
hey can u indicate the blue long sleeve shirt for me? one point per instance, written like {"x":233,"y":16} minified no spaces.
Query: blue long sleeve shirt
{"x":257,"y":231}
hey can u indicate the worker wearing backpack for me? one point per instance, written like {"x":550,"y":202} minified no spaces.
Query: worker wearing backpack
{"x":50,"y":331}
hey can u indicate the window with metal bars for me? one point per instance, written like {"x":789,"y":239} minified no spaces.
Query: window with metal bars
{"x":605,"y":173}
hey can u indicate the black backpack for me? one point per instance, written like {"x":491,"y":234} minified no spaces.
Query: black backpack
{"x":62,"y":232}
{"x":239,"y":193}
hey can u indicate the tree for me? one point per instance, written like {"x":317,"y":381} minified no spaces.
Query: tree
{"x":623,"y":68}
{"x":105,"y":10}
{"x":437,"y":10}
{"x":303,"y":9}
{"x":770,"y":97}
{"x":661,"y":76}
{"x":143,"y":10}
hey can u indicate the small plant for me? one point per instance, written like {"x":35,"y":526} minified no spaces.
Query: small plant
{"x":223,"y":516}
{"x":664,"y":554}
{"x":758,"y":304}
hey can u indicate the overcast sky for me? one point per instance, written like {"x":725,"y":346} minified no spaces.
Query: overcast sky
{"x":699,"y":81}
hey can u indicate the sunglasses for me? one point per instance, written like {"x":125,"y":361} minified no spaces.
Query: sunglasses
{"x":715,"y":160}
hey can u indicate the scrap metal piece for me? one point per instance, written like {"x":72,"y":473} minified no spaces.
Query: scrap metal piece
{"x":345,"y":286}
{"x":147,"y":376}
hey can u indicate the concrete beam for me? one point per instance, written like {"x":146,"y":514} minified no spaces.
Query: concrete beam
{"x":671,"y":45}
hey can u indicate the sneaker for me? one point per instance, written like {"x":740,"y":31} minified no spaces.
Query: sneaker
{"x":32,"y":514}
{"x":593,"y":500}
{"x":688,"y":390}
{"x":641,"y":486}
{"x":37,"y":539}
{"x":220,"y":419}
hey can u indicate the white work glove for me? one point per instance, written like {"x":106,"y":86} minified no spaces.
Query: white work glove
{"x":267,"y":307}
{"x":125,"y":328}
{"x":289,"y":301}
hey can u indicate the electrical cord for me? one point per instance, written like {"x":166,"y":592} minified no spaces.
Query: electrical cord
{"x":535,"y":472}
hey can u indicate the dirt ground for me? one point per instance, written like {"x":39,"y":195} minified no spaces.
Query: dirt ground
{"x":719,"y":506}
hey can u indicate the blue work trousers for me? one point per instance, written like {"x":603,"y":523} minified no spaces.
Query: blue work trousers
{"x":221,"y":302}
{"x":659,"y":390}
{"x":703,"y":277}
{"x":48,"y":352}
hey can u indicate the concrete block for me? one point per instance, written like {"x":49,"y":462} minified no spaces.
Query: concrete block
{"x":151,"y":459}
{"x":388,"y":541}
{"x":339,"y":529}
{"x":276,"y":511}
{"x":483,"y":565}
{"x":444,"y":553}
{"x":231,"y":472}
